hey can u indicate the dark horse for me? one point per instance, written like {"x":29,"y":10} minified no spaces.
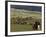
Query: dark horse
{"x":35,"y":26}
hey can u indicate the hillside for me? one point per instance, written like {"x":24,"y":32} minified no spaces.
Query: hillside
{"x":25,"y":13}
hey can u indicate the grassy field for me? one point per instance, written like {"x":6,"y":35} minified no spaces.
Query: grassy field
{"x":26,"y":27}
{"x":18,"y":27}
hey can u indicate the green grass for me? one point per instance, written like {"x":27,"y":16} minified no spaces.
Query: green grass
{"x":17,"y":27}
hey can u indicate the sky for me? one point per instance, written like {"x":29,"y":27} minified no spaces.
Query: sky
{"x":31,"y":8}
